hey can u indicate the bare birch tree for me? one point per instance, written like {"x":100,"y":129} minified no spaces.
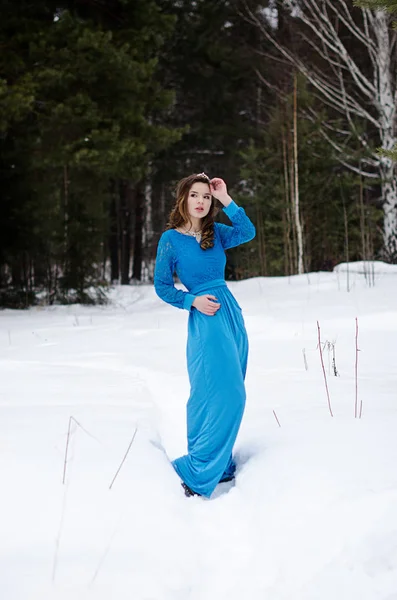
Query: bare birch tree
{"x":364,"y":96}
{"x":298,"y":223}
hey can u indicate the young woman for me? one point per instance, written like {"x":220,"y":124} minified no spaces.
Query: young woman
{"x":194,"y":247}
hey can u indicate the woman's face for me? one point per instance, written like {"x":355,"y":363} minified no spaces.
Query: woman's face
{"x":199,"y":200}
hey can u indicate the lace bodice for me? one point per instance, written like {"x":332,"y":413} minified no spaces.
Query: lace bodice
{"x":180,"y":253}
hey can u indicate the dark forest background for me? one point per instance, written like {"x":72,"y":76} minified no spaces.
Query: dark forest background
{"x":104,"y":105}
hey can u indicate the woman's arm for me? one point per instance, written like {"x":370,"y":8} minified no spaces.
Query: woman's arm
{"x":163,"y":276}
{"x":243,"y":229}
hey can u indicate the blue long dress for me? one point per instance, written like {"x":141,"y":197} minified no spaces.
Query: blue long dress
{"x":217,"y":347}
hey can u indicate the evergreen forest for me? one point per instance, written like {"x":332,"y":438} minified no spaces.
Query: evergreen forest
{"x":106,"y":104}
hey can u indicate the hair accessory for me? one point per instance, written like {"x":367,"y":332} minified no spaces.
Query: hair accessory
{"x":203,"y":175}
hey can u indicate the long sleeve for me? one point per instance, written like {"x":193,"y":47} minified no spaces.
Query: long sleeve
{"x":163,"y":276}
{"x":242,"y":231}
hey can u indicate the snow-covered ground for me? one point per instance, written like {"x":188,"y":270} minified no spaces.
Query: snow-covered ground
{"x":312,"y":514}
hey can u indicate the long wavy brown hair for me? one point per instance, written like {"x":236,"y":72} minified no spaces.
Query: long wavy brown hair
{"x":179,"y":214}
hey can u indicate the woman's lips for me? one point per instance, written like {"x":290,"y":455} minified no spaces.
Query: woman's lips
{"x":200,"y":209}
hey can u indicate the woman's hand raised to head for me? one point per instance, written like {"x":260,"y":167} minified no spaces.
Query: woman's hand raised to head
{"x":219,"y":191}
{"x":206,"y":304}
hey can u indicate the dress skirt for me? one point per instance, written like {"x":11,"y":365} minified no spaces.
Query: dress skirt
{"x":217,"y":353}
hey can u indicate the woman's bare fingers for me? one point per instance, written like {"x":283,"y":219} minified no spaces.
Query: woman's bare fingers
{"x":207,"y":304}
{"x":212,"y":310}
{"x":214,"y":307}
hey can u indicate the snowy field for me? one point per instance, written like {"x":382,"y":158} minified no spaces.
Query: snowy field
{"x":313,"y":512}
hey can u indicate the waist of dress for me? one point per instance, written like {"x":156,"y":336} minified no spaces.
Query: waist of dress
{"x":203,"y":287}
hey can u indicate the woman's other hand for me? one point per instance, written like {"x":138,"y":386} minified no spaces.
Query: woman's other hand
{"x":206,"y":304}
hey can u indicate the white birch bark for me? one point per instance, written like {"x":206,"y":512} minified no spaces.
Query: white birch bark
{"x":147,"y":232}
{"x":298,"y":225}
{"x":386,"y":103}
{"x":362,"y":96}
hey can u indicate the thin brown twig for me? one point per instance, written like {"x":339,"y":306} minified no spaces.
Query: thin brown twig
{"x":85,"y":430}
{"x":66,"y":451}
{"x":322,"y":364}
{"x":274,"y":412}
{"x":125,"y":456}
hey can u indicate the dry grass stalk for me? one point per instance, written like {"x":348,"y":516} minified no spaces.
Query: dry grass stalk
{"x":305,"y":359}
{"x":322,"y":364}
{"x":275,"y":416}
{"x":122,"y":462}
{"x":67,"y":443}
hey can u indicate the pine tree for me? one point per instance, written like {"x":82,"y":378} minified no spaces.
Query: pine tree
{"x":83,"y":90}
{"x":390,"y":5}
{"x":210,"y":62}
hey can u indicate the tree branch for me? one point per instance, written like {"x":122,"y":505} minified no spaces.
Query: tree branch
{"x":330,"y":92}
{"x":321,"y":26}
{"x":341,"y":148}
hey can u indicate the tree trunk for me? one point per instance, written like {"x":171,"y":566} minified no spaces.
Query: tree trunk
{"x":298,"y":224}
{"x":288,"y":260}
{"x":347,"y":253}
{"x":261,"y":240}
{"x":290,"y":208}
{"x":16,"y":272}
{"x":387,"y":113}
{"x":147,"y":233}
{"x":66,"y":253}
{"x":389,"y":198}
{"x":139,"y":197}
{"x":125,"y":230}
{"x":114,"y":234}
